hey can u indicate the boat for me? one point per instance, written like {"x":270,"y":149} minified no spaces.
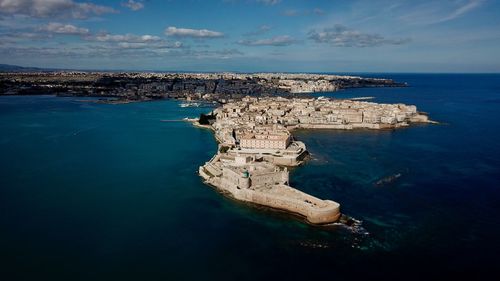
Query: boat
{"x":190,"y":104}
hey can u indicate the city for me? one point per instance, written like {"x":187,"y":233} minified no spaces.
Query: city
{"x":219,"y":87}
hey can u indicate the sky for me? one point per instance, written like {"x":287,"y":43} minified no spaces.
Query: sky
{"x":253,"y":35}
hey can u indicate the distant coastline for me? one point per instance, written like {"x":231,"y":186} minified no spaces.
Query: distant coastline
{"x":124,"y":87}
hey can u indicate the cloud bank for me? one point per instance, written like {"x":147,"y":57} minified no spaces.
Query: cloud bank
{"x":193,"y":33}
{"x":133,"y":5}
{"x":342,"y":36}
{"x":66,"y":29}
{"x":52,"y":8}
{"x":278,"y":41}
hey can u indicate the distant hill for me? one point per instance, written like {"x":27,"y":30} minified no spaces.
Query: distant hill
{"x":17,"y":68}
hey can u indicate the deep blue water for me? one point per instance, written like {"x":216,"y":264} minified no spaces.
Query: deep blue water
{"x":104,"y":192}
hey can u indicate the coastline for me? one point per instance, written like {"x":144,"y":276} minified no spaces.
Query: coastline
{"x":204,"y":87}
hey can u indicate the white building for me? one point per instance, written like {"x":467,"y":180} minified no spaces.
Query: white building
{"x":266,"y":140}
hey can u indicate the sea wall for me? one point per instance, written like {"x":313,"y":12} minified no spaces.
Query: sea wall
{"x":315,"y":210}
{"x":348,"y":126}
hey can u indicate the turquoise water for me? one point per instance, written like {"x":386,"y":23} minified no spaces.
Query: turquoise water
{"x":102,"y":192}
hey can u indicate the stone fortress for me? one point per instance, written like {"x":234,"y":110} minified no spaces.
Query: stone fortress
{"x":256,"y":147}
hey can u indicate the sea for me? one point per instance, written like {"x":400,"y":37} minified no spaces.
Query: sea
{"x":92,"y":191}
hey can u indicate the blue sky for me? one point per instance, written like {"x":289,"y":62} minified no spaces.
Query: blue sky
{"x":253,"y":35}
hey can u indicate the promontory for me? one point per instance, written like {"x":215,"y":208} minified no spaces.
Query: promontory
{"x":256,"y":146}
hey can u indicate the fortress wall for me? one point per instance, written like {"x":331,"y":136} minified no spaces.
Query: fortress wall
{"x":319,"y":215}
{"x":285,"y":161}
{"x":328,"y":214}
{"x":267,"y":178}
{"x":202,"y":173}
{"x":212,"y":170}
{"x":282,"y":161}
{"x":230,"y":177}
{"x":326,"y":126}
{"x":352,"y":126}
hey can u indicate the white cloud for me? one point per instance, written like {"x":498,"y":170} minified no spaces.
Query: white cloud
{"x":129,"y":38}
{"x":194,"y":33}
{"x":143,"y":45}
{"x":133,"y":5}
{"x":341,"y":36}
{"x":269,"y":2}
{"x":265,"y":2}
{"x":280,"y":41}
{"x":438,"y":11}
{"x":52,"y":8}
{"x":132,"y":41}
{"x":469,"y":6}
{"x":67,"y":29}
{"x":216,"y":54}
{"x":295,"y":12}
{"x":14,"y":37}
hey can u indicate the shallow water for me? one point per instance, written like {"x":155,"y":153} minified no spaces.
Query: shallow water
{"x":96,"y":191}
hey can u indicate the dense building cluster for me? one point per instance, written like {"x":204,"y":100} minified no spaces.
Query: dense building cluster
{"x":264,"y":122}
{"x":221,"y":87}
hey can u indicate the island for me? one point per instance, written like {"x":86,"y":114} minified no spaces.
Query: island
{"x":256,"y":146}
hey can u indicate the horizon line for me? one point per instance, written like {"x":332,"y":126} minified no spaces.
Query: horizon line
{"x":49,"y":69}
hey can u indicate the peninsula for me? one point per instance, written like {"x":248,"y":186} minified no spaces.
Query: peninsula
{"x":256,"y":146}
